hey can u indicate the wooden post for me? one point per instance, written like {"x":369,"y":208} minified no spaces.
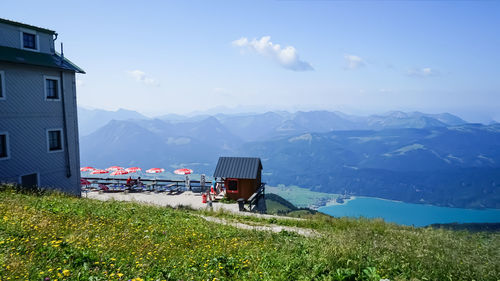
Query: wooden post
{"x":202,"y":182}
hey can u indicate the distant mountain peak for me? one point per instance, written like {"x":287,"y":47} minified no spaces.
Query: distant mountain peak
{"x":396,"y":114}
{"x":89,"y":120}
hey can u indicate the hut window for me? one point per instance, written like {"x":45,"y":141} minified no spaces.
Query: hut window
{"x":232,"y":185}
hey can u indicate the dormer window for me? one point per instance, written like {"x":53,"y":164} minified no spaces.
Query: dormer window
{"x":29,"y":41}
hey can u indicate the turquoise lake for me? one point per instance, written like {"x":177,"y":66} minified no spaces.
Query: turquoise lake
{"x":407,"y":213}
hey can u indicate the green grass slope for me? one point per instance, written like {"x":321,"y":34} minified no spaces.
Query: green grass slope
{"x":65,"y":238}
{"x":276,"y":204}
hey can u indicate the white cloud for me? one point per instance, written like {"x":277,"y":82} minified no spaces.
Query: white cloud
{"x":422,"y":72}
{"x":287,"y":57}
{"x":353,"y":62}
{"x":140,"y":76}
{"x":242,"y":42}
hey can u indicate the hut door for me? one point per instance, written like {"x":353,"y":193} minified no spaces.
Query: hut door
{"x":232,"y":186}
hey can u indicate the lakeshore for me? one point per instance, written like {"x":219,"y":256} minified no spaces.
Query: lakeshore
{"x":336,"y":201}
{"x":408,"y":213}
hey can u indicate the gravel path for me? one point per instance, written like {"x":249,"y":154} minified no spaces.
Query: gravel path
{"x":268,"y":227}
{"x":187,"y":198}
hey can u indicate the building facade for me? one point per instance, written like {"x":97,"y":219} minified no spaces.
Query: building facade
{"x":38,"y":113}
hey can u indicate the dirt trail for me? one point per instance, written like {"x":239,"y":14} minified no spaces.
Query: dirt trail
{"x":268,"y":227}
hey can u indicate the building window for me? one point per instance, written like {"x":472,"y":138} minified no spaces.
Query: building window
{"x":52,"y":88}
{"x":54,"y":140}
{"x":29,"y":41}
{"x":2,"y":85}
{"x":4,"y":146}
{"x":51,"y":85}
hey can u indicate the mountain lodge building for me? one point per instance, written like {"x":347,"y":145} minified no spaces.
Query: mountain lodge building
{"x":38,"y":114}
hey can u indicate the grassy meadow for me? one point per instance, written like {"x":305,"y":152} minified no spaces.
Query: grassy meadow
{"x":56,"y":237}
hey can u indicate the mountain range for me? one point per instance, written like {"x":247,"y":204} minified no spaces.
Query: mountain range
{"x":456,"y":166}
{"x":256,"y":126}
{"x":90,"y":120}
{"x":438,"y":159}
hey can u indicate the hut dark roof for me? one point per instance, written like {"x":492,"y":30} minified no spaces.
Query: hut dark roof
{"x":238,"y":167}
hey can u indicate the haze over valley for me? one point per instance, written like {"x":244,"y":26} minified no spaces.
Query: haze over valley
{"x":415,"y":157}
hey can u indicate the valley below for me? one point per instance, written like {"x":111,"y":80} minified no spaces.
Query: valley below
{"x":429,"y":159}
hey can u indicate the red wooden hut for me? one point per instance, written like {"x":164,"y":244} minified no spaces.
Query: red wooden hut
{"x":241,"y":175}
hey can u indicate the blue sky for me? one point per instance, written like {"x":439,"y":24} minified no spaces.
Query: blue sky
{"x":361,"y":57}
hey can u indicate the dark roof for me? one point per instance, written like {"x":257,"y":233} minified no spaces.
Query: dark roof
{"x":20,"y":24}
{"x":35,"y":58}
{"x":238,"y":167}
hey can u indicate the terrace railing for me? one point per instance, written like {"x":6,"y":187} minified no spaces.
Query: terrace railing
{"x":145,"y":184}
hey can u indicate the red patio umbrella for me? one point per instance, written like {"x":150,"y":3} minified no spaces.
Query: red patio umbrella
{"x":133,"y":169}
{"x":98,"y":171}
{"x":155,"y":170}
{"x":86,"y":169}
{"x":183,"y":171}
{"x":84,"y":182}
{"x":114,"y":168}
{"x":119,"y":172}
